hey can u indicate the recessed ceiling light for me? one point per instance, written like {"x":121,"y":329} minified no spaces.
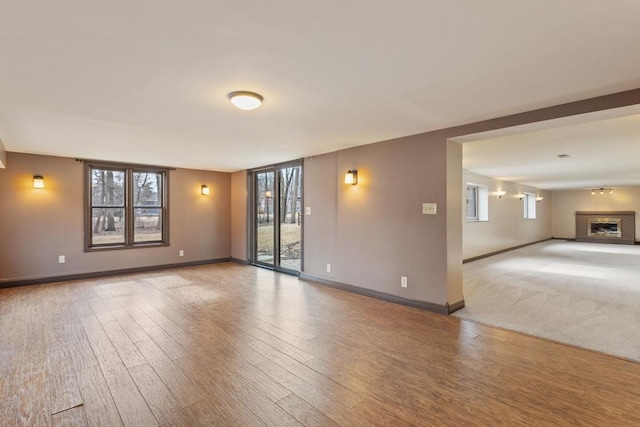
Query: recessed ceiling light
{"x":245,"y":100}
{"x":563,"y":156}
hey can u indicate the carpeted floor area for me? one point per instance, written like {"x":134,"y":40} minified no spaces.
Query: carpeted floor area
{"x":584,"y":294}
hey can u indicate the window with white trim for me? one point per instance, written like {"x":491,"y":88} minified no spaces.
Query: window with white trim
{"x":477,"y":202}
{"x":472,"y":203}
{"x":529,"y":201}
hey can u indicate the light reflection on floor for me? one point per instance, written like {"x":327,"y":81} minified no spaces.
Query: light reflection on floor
{"x":577,"y":270}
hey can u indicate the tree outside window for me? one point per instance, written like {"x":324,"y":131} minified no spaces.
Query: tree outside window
{"x":127,"y":206}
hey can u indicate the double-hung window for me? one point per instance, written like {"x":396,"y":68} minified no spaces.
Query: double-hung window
{"x":126,"y":206}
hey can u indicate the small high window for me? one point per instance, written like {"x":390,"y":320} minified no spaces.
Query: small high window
{"x":477,"y":202}
{"x":472,"y":203}
{"x":529,"y":201}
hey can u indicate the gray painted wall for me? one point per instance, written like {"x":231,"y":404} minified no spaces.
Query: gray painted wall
{"x":239,"y":215}
{"x":39,"y":225}
{"x":320,"y":228}
{"x":374,"y":232}
{"x":454,"y":221}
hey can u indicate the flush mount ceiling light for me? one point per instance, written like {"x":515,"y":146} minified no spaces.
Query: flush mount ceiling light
{"x":245,"y":100}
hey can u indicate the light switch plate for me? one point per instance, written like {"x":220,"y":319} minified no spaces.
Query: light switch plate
{"x":307,"y":210}
{"x":429,"y":208}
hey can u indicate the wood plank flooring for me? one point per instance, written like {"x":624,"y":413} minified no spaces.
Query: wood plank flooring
{"x":233,"y":345}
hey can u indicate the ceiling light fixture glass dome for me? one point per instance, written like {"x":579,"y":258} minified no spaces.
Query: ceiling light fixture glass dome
{"x":245,"y":100}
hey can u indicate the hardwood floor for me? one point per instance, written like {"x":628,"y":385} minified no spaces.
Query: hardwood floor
{"x":234,"y":345}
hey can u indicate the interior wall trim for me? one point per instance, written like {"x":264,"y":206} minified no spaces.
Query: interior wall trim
{"x":475,"y":258}
{"x":456,"y":306}
{"x":423,"y":305}
{"x":239,"y":261}
{"x":93,"y":275}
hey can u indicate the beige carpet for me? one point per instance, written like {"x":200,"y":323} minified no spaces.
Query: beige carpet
{"x":584,"y":294}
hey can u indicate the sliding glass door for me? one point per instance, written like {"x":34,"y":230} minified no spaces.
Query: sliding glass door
{"x":290,"y":217}
{"x":264,"y":218}
{"x":277,"y":217}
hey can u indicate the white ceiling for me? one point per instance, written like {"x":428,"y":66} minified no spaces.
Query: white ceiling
{"x":603,"y":149}
{"x":147,"y":82}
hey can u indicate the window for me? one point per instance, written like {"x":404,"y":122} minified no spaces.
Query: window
{"x":477,"y":202}
{"x":126,"y":206}
{"x":529,"y":206}
{"x":472,"y":203}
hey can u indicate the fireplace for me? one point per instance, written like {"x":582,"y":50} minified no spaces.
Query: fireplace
{"x":606,"y":227}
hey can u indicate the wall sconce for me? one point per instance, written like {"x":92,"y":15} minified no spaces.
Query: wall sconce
{"x":539,"y":199}
{"x":38,"y":181}
{"x":500,"y":194}
{"x":351,"y":177}
{"x":520,"y":196}
{"x":204,"y":190}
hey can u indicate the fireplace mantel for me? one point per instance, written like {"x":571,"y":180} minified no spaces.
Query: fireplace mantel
{"x":625,"y":227}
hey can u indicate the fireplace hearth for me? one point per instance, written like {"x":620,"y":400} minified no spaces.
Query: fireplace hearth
{"x":606,"y":227}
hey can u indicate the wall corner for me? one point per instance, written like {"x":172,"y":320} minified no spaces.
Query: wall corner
{"x":454,"y":222}
{"x":239,"y":206}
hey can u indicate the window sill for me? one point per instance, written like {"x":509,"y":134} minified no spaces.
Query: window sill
{"x":125,"y":247}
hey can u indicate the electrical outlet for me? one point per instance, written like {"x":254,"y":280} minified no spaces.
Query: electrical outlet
{"x":328,"y":268}
{"x":181,"y":252}
{"x":403,"y":281}
{"x":61,"y":259}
